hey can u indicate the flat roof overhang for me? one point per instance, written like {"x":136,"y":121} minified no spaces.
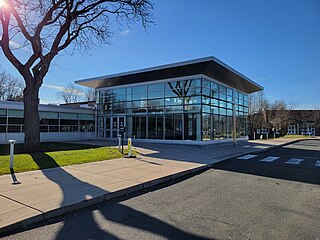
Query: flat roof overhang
{"x":210,"y":66}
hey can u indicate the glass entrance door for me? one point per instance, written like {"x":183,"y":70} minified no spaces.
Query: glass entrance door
{"x":117,"y":124}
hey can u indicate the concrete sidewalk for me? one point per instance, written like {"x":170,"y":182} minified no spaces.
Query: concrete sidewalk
{"x":44,"y":194}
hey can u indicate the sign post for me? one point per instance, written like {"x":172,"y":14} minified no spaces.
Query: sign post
{"x":12,"y":142}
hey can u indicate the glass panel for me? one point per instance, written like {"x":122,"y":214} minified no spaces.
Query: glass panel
{"x":206,"y":127}
{"x":206,"y":100}
{"x":3,"y":112}
{"x":155,"y":95}
{"x":53,"y":128}
{"x":173,"y":101}
{"x":52,"y":115}
{"x":3,"y":120}
{"x":223,"y":127}
{"x":49,"y":121}
{"x":68,"y":116}
{"x":222,"y":93}
{"x":192,"y":108}
{"x":193,"y":100}
{"x":68,"y":122}
{"x":156,"y":87}
{"x":178,"y":126}
{"x":159,"y":127}
{"x":15,"y":121}
{"x":229,"y":95}
{"x":139,"y":127}
{"x":83,"y":116}
{"x":155,"y":127}
{"x":15,"y":113}
{"x":16,"y":128}
{"x":214,"y":102}
{"x":119,"y":91}
{"x":190,"y":126}
{"x":229,"y":127}
{"x":108,"y":123}
{"x":139,"y":89}
{"x":206,"y":108}
{"x":215,"y":90}
{"x":169,"y":127}
{"x":178,"y":108}
{"x":223,"y":104}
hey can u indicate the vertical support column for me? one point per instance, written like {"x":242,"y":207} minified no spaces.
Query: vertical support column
{"x":11,"y":142}
{"x":234,"y":118}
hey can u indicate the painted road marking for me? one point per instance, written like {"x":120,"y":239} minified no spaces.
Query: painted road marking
{"x":269,"y":159}
{"x":295,"y":161}
{"x":246,"y":157}
{"x":317,"y":163}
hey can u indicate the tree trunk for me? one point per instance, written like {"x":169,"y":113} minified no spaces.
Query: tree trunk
{"x":31,"y":118}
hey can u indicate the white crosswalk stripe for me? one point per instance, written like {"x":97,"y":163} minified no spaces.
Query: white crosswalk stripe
{"x":246,"y":157}
{"x":269,"y":159}
{"x":295,"y":161}
{"x":317,"y":163}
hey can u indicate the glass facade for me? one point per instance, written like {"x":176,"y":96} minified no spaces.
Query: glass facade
{"x":12,"y":121}
{"x":193,"y":109}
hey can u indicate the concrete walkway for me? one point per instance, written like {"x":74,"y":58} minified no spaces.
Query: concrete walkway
{"x":47,"y":193}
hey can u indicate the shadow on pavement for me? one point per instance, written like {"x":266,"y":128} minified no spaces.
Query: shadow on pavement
{"x":116,"y":212}
{"x":305,"y":172}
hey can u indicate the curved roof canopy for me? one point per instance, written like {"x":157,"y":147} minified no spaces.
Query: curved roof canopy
{"x":208,"y":66}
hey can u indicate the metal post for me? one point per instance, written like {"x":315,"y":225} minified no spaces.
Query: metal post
{"x":12,"y":142}
{"x":122,"y":137}
{"x":119,"y":142}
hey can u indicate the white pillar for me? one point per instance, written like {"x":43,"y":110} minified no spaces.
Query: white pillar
{"x":234,"y":118}
{"x":12,"y":142}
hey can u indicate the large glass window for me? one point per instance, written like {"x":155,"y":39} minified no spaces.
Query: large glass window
{"x":139,"y":127}
{"x":192,"y":109}
{"x":155,"y":126}
{"x":206,"y":127}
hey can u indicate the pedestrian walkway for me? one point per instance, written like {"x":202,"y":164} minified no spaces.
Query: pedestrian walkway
{"x":46,"y":193}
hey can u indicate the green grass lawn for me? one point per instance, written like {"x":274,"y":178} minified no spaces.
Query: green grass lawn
{"x":55,"y":155}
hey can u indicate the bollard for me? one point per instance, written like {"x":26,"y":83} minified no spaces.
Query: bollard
{"x":129,"y":147}
{"x":12,"y":142}
{"x":119,"y":142}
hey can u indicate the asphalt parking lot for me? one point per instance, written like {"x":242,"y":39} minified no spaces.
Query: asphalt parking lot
{"x":298,"y":161}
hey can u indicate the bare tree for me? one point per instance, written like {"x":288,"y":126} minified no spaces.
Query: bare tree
{"x":71,"y":94}
{"x":44,"y":28}
{"x":10,"y":87}
{"x":90,"y":94}
{"x":257,"y":106}
{"x":280,"y":115}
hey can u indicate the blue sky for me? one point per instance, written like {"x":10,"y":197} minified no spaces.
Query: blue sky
{"x":275,"y":43}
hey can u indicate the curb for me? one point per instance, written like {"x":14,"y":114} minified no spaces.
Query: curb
{"x":109,"y":196}
{"x":10,"y":229}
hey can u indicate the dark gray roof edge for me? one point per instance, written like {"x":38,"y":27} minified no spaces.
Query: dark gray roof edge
{"x":236,"y":72}
{"x":176,"y":64}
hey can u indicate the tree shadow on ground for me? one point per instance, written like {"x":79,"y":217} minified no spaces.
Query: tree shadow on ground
{"x":305,"y":172}
{"x":74,"y":190}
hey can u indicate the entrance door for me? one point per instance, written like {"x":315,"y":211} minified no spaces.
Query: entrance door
{"x":117,"y":124}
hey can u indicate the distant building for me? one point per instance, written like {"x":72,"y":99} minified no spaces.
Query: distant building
{"x":301,"y":122}
{"x":304,"y":122}
{"x":57,"y":123}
